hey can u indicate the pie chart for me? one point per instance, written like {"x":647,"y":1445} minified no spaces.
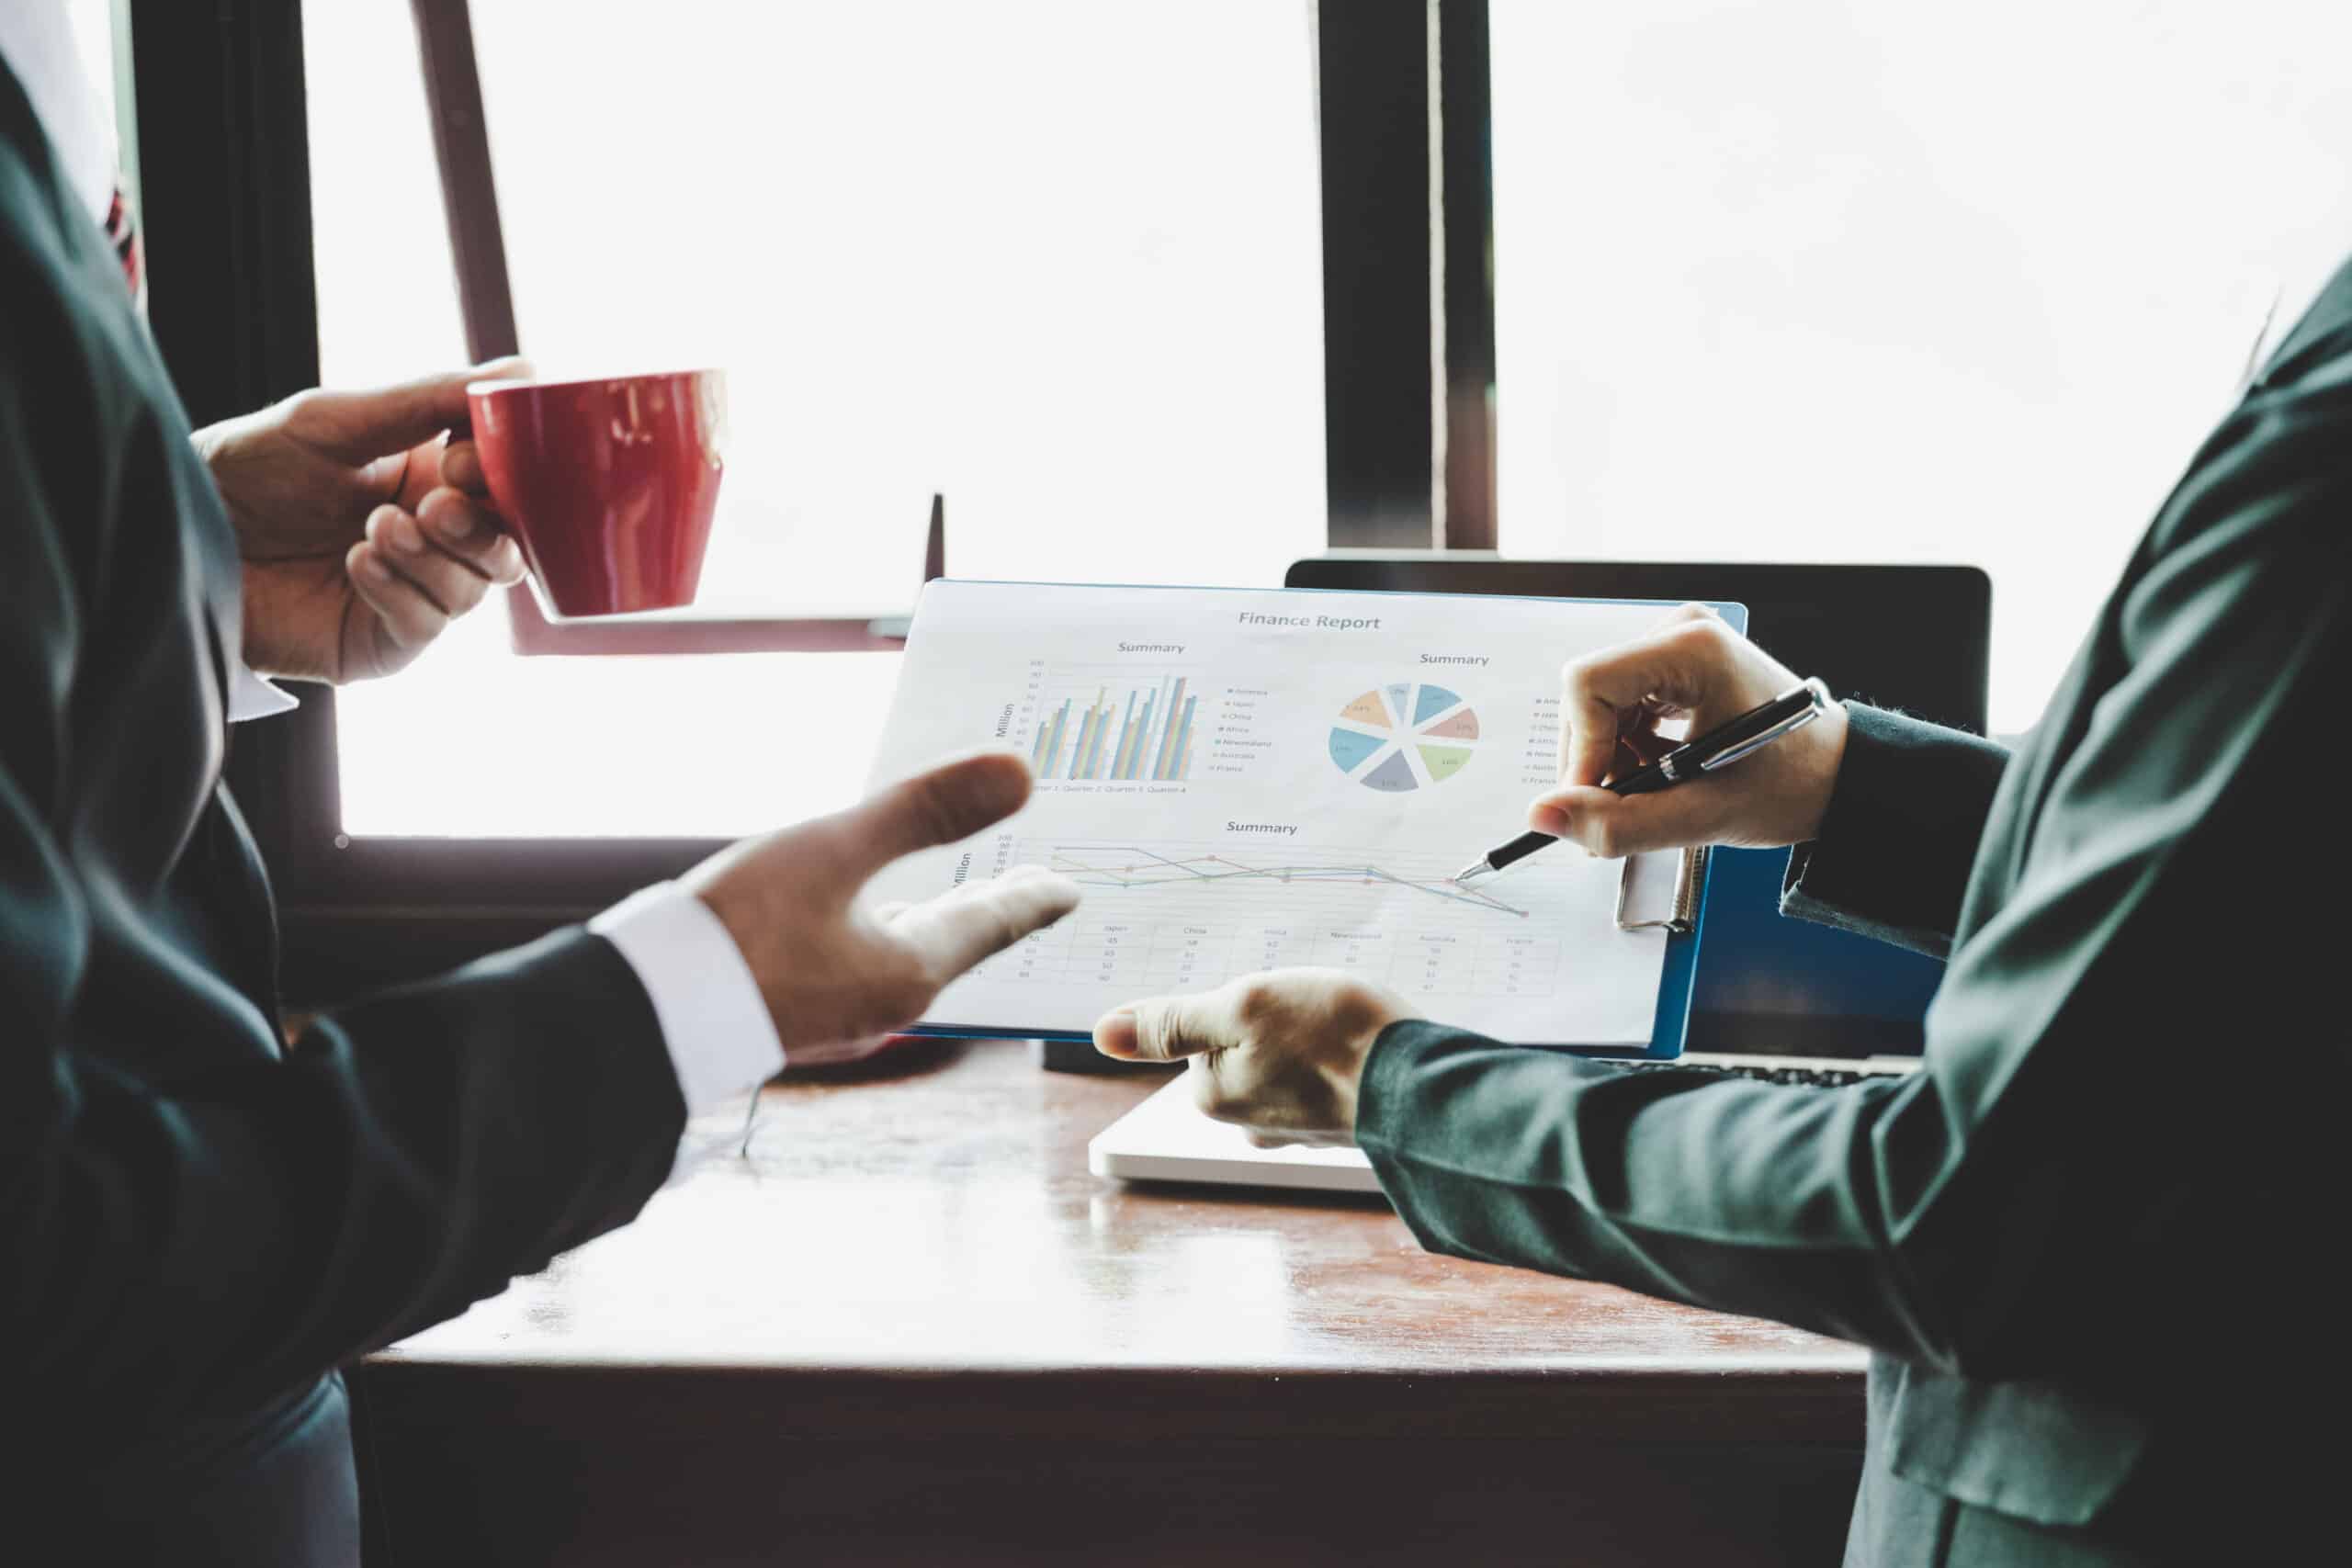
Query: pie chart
{"x":1404,"y":737}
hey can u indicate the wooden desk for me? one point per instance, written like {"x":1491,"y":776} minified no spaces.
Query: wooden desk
{"x":911,"y":1328}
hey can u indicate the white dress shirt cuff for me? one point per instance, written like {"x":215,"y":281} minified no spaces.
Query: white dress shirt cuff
{"x":713,"y":1022}
{"x":250,"y":697}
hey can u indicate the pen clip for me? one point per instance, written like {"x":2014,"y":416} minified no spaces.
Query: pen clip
{"x":1797,"y":720}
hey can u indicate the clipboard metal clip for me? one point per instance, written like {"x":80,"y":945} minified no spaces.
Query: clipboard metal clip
{"x":1680,"y":912}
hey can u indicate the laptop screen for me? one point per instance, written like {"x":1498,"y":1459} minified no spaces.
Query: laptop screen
{"x":1901,"y":637}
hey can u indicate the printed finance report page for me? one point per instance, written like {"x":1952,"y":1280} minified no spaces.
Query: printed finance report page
{"x":1244,"y":780}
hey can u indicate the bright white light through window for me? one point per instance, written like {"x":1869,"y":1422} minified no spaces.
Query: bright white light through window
{"x":1055,"y":260}
{"x":1808,"y":279}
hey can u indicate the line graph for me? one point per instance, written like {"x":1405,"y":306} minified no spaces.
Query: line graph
{"x":1171,"y":915}
{"x":1137,"y":866}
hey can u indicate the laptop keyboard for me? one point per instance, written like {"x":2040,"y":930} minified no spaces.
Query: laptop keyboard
{"x":1763,"y":1072}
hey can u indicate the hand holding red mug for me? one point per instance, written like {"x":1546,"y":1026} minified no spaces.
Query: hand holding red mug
{"x":364,"y":524}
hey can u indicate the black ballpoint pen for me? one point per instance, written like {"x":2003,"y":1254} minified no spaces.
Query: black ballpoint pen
{"x":1720,"y":747}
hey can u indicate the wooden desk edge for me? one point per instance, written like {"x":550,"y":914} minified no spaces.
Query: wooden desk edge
{"x":1804,"y":1403}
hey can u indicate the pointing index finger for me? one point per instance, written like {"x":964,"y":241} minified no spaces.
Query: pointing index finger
{"x":1169,"y":1029}
{"x":356,"y":427}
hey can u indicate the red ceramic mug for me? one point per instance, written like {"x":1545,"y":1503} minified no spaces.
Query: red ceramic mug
{"x":607,"y":485}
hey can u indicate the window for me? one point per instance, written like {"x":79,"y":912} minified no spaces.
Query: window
{"x":1058,"y":262}
{"x":1840,"y":281}
{"x":93,"y":40}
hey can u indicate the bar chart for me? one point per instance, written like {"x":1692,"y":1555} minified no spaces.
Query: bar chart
{"x":1121,"y":729}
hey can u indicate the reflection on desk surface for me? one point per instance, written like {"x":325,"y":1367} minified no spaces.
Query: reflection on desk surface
{"x":939,"y":1215}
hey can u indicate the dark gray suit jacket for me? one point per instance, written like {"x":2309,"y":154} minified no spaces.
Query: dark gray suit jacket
{"x":2092,"y":1240}
{"x":198,"y":1221}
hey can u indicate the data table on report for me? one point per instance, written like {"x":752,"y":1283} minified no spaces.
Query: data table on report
{"x":1244,"y":779}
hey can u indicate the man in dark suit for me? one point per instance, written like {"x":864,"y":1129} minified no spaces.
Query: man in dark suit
{"x":2117,"y":1172}
{"x":200,"y":1220}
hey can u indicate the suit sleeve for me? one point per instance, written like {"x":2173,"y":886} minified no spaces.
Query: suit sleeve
{"x":206,"y":1243}
{"x":2090,"y":1162}
{"x":189,"y":1218}
{"x":1900,"y":836}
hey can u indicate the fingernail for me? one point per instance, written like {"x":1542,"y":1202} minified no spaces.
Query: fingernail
{"x":403,"y":535}
{"x":458,"y":523}
{"x":1115,"y":1034}
{"x":1548,"y":818}
{"x":371,"y":567}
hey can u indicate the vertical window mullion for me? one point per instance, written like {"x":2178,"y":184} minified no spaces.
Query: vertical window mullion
{"x":1465,"y":221}
{"x":1372,"y":115}
{"x":445,"y":38}
{"x":1403,"y":117}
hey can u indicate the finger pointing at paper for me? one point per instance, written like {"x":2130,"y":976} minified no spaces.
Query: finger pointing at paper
{"x":1281,"y":1053}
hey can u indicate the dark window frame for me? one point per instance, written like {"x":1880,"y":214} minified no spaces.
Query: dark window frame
{"x":1408,"y":332}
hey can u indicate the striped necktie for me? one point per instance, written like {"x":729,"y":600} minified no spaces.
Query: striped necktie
{"x":122,"y":233}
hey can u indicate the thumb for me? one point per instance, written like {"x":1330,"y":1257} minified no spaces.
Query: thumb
{"x":1167,"y":1029}
{"x":1611,"y":824}
{"x":356,"y":427}
{"x":949,"y":802}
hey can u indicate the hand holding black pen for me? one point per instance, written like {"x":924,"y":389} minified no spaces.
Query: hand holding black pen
{"x":1718,"y":748}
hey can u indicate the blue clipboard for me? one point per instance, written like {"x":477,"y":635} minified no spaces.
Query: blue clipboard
{"x":1676,"y":983}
